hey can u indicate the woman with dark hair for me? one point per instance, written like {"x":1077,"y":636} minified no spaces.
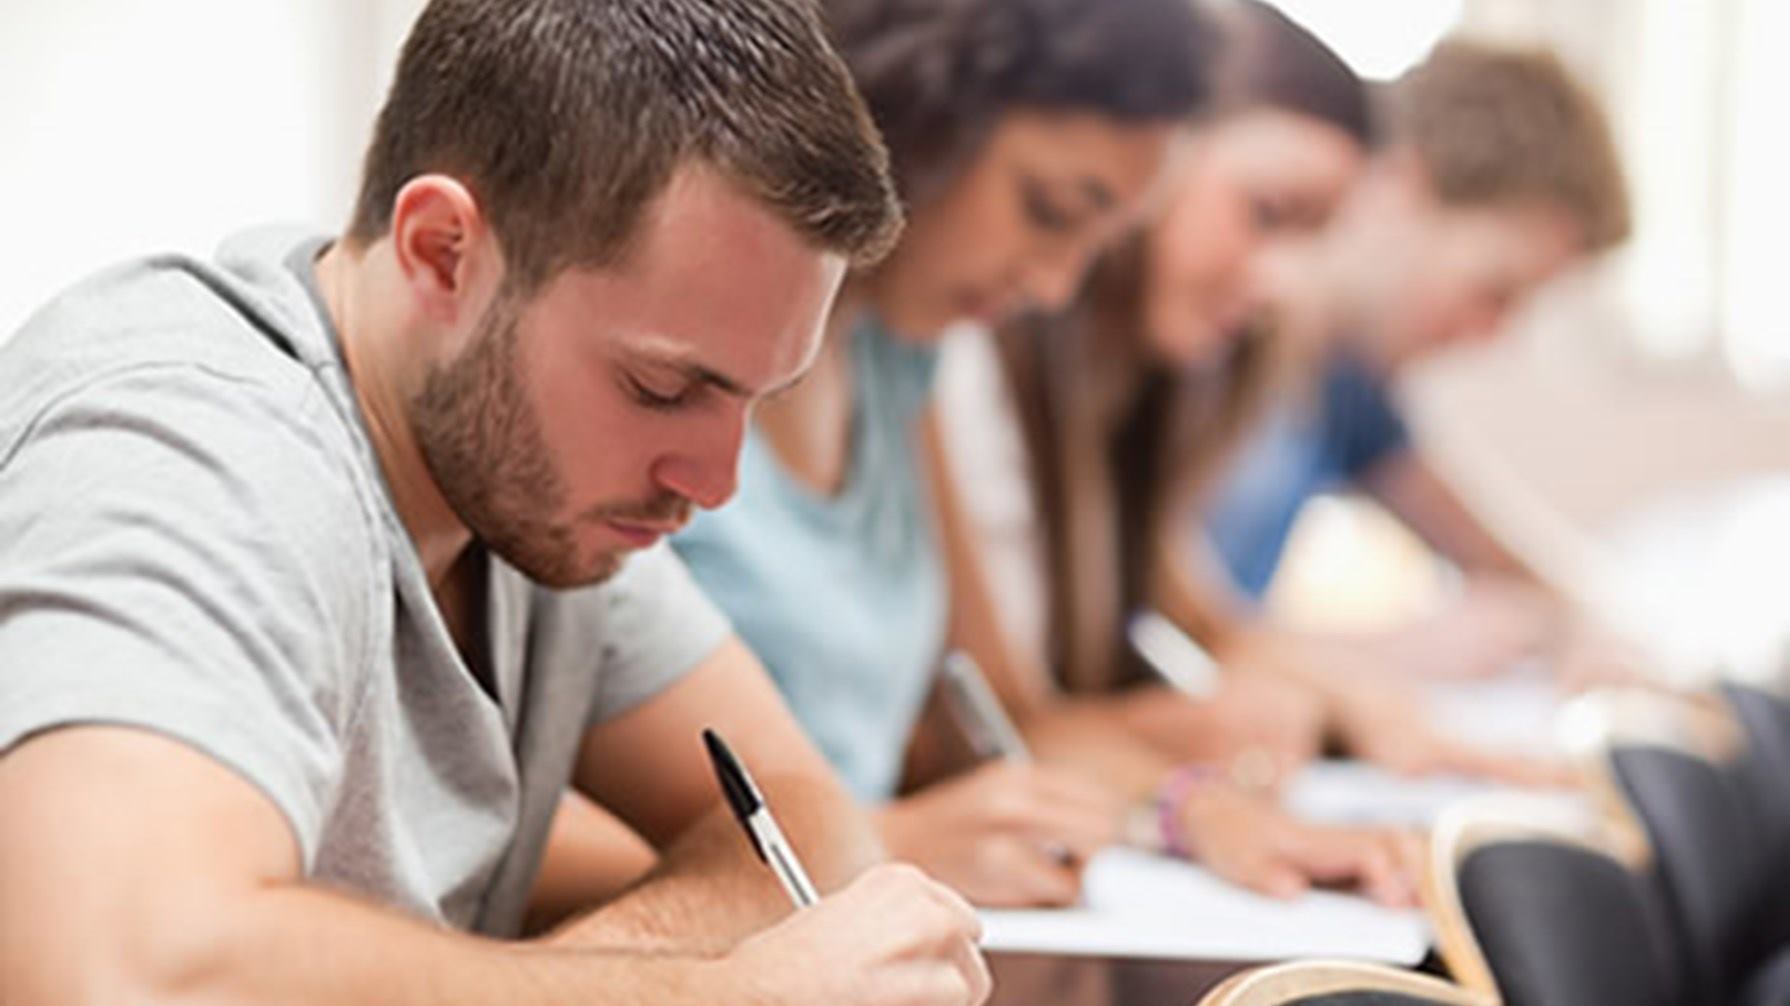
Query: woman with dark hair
{"x":1079,"y":445}
{"x":1025,"y":134}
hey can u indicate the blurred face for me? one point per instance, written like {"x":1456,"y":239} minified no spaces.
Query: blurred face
{"x":1253,"y":186}
{"x":590,"y":419}
{"x":1467,"y":271}
{"x":1018,"y":227}
{"x":1412,"y":275}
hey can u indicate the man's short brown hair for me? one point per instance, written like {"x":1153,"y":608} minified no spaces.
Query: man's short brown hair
{"x":567,"y":118}
{"x":1512,"y":127}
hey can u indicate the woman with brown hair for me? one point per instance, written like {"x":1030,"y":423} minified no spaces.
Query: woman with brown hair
{"x":1079,"y":445}
{"x":1024,"y":136}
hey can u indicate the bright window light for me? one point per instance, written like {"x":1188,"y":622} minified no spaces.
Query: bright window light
{"x":1758,"y":345}
{"x":1379,"y":39}
{"x":1671,"y":275}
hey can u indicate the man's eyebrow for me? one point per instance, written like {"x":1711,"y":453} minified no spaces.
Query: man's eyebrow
{"x":713,"y":378}
{"x":703,"y":374}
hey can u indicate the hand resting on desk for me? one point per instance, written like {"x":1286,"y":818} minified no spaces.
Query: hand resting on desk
{"x":997,"y":833}
{"x":1250,"y":841}
{"x":1377,"y":723}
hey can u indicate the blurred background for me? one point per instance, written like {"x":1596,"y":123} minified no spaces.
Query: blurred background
{"x":1633,"y":440}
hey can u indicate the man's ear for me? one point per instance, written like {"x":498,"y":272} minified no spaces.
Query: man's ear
{"x":443,"y":248}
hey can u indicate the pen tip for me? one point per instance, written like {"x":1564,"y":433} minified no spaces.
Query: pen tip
{"x":736,"y":783}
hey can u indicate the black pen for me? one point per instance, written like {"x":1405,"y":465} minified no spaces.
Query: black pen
{"x":754,"y":815}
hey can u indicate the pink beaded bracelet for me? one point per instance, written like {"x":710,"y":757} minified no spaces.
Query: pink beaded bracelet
{"x":1171,"y":801}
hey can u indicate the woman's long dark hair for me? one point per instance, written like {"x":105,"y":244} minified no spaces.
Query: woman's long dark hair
{"x":1270,"y":61}
{"x":938,"y":75}
{"x":1120,"y":446}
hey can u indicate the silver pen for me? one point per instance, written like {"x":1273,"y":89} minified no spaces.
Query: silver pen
{"x":1174,"y":655}
{"x":985,"y":722}
{"x":978,"y":712}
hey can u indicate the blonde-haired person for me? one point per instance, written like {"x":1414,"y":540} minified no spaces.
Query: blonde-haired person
{"x":1496,"y":173}
{"x":1500,"y":174}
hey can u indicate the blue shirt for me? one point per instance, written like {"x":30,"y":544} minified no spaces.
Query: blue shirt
{"x":1350,"y":426}
{"x":843,"y":597}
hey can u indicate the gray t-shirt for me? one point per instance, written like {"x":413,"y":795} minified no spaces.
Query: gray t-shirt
{"x":196,"y":539}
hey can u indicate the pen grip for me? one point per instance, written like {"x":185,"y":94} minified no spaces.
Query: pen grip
{"x":782,"y":860}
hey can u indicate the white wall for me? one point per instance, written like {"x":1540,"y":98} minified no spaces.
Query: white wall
{"x":128,"y":126}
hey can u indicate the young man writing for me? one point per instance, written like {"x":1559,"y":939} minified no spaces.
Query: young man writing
{"x":314,"y":588}
{"x":1499,"y":174}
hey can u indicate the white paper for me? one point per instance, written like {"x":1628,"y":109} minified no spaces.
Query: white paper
{"x":1354,"y":793}
{"x":1514,"y":711}
{"x":1145,"y":906}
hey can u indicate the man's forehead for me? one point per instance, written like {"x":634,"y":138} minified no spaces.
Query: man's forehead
{"x":701,"y":207}
{"x":717,"y":286}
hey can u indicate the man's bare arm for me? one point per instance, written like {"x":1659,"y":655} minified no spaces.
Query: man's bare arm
{"x":590,"y":859}
{"x":1412,"y":490}
{"x":649,"y":768}
{"x":135,"y":869}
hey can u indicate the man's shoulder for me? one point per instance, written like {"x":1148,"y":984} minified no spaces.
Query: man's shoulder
{"x":165,"y":376}
{"x":175,"y":336}
{"x":164,"y":309}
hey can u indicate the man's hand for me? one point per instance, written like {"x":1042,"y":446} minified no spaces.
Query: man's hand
{"x":1492,"y":625}
{"x":1005,"y":834}
{"x":1379,"y":725}
{"x":892,"y":938}
{"x":1596,"y":656}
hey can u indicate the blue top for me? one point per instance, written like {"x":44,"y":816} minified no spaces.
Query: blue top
{"x":1303,"y":450}
{"x":843,"y":597}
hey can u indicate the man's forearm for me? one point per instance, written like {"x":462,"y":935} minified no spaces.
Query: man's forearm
{"x":301,"y":945}
{"x":709,"y":890}
{"x":1409,"y":487}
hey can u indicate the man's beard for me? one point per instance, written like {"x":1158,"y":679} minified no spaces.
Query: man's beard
{"x":482,"y":442}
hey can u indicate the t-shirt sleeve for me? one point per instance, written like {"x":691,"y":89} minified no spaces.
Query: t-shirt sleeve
{"x":177,"y":555}
{"x":653,"y":626}
{"x":1362,"y":420}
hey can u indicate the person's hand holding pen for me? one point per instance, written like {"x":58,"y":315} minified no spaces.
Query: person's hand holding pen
{"x":1262,"y":727}
{"x":891,"y":938}
{"x":1005,"y":834}
{"x":894,"y":937}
